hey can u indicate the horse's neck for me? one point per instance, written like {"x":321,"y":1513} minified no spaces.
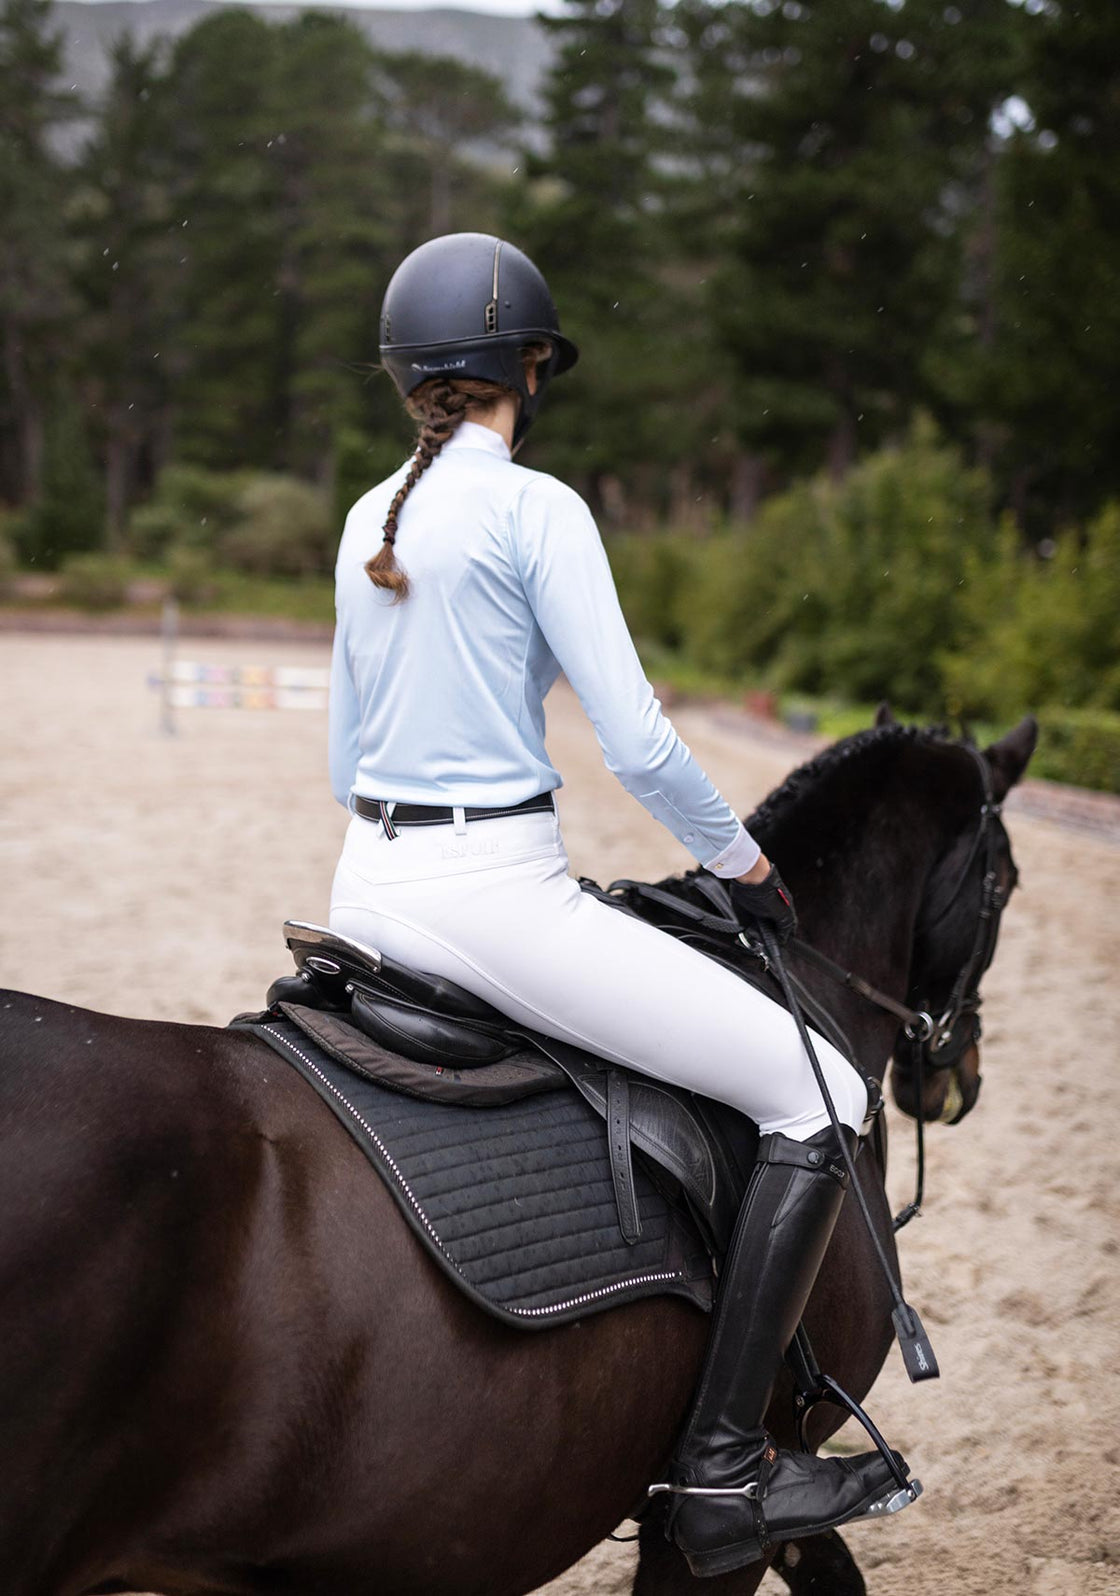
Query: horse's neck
{"x":861,"y":910}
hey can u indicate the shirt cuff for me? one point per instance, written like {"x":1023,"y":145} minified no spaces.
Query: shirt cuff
{"x":737,"y":858}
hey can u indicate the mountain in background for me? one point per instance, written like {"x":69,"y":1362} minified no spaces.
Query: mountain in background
{"x":515,"y":49}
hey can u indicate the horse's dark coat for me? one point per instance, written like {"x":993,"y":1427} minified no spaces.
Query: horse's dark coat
{"x":229,"y":1368}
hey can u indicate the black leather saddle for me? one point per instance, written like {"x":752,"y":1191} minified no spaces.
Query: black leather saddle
{"x":702,"y":1150}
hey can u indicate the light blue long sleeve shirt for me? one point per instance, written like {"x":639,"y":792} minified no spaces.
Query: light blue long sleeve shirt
{"x":440,"y":699}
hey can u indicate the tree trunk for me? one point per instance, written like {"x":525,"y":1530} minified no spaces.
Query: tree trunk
{"x":118,"y":484}
{"x":29,"y":428}
{"x":748,"y":473}
{"x":842,"y":446}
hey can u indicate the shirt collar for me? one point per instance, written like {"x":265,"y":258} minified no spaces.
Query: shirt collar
{"x":470,"y":435}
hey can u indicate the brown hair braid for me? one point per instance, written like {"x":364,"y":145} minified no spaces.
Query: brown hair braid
{"x":440,"y":406}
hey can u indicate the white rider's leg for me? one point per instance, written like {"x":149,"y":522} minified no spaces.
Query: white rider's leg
{"x":496,"y":911}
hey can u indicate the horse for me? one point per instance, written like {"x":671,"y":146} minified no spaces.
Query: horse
{"x":229,"y":1367}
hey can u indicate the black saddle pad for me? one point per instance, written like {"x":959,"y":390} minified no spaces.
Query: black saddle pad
{"x":514,"y":1202}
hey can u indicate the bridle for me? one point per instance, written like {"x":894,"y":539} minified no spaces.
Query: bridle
{"x":937,"y":1044}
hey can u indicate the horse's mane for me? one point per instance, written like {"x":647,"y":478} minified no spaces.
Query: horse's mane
{"x":807,"y":779}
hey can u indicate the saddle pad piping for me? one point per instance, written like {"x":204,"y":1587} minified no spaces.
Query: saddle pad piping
{"x":527,"y":1313}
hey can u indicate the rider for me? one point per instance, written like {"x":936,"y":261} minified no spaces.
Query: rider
{"x":465,"y":583}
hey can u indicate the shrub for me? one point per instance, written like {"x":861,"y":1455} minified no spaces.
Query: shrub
{"x":69,"y":515}
{"x":190,"y":574}
{"x":1079,"y":746}
{"x":191,"y":508}
{"x":152,"y":529}
{"x":94,"y":581}
{"x":283,"y":528}
{"x":656,"y":577}
{"x":8,"y":563}
{"x":1042,"y":631}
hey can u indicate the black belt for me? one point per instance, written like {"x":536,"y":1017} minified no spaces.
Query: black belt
{"x":441,"y":815}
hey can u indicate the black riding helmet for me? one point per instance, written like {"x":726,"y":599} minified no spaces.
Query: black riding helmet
{"x":465,"y":305}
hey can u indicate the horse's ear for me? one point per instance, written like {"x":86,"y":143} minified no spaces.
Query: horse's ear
{"x":883,"y":716}
{"x":1010,"y":756}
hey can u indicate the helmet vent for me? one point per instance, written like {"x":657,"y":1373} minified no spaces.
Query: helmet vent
{"x":492,"y":307}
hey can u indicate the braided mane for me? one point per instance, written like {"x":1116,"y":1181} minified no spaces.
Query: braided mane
{"x":807,"y":779}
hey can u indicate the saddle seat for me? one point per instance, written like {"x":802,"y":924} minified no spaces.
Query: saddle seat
{"x":705,"y":1148}
{"x":424,"y":1017}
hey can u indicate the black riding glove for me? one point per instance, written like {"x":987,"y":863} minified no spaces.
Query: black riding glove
{"x":769,"y":900}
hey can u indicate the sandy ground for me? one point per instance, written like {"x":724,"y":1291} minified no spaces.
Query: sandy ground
{"x":149,"y":875}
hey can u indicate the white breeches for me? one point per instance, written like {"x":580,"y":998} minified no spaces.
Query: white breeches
{"x":494,"y":909}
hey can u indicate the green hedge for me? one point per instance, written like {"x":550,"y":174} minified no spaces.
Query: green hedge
{"x":1081,"y":747}
{"x":94,"y":581}
{"x":898,"y":583}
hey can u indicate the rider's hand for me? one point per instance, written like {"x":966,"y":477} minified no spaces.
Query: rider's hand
{"x":766,"y":899}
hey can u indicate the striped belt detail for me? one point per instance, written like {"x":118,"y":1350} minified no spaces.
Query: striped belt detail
{"x":440,"y":814}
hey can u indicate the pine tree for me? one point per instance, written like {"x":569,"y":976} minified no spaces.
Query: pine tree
{"x":122,"y":225}
{"x":226,"y":358}
{"x":440,"y":108}
{"x":1050,"y":385}
{"x":835,"y":143}
{"x":34,"y":302}
{"x":592,"y":219}
{"x":338,"y":230}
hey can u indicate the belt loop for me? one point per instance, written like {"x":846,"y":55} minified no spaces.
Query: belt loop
{"x":459,"y":815}
{"x":386,"y":824}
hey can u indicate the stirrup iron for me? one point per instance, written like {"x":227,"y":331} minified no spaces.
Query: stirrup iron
{"x":750,"y":1490}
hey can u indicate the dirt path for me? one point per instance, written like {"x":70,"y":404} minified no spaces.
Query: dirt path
{"x":150,"y":875}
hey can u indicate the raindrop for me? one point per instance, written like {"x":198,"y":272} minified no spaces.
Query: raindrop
{"x":905,"y":50}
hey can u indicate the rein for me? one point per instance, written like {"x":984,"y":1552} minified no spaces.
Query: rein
{"x":935,"y":1044}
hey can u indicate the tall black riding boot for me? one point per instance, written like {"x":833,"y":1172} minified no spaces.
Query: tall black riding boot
{"x":735,"y":1492}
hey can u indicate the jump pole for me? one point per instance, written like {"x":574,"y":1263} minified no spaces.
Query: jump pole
{"x":169,"y":631}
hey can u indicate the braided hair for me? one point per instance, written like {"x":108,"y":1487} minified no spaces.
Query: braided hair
{"x":440,"y":406}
